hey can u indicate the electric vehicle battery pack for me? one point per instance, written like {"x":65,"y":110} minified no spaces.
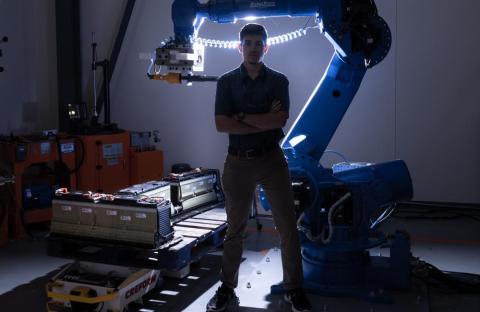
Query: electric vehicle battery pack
{"x":195,"y":188}
{"x":150,"y":189}
{"x":127,"y":219}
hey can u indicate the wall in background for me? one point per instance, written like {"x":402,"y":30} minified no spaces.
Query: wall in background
{"x":184,"y":115}
{"x":419,"y":104}
{"x":102,"y":18}
{"x":438,"y":92}
{"x":28,"y":86}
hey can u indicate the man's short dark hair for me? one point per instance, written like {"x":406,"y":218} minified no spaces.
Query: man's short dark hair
{"x":253,"y":29}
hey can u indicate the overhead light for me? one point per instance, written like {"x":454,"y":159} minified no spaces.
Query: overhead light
{"x":233,"y":44}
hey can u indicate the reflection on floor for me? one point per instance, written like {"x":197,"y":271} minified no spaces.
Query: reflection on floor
{"x":449,"y":245}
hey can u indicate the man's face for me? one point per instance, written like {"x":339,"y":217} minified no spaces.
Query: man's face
{"x":253,"y":49}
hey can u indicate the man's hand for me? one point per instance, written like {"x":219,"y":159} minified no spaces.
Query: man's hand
{"x":231,"y":125}
{"x":275,"y":118}
{"x":276,"y":106}
{"x":239,"y":116}
{"x":242,"y":123}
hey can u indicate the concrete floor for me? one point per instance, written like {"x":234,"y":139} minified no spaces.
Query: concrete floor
{"x":449,"y":245}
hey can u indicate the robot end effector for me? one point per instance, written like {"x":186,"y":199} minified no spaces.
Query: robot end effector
{"x":354,"y":28}
{"x":180,"y":60}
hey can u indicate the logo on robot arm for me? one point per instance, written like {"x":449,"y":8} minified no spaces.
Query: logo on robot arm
{"x":262,"y":4}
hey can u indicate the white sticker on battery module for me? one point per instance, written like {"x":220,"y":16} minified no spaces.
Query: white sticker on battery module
{"x":112,"y":212}
{"x":87,"y":210}
{"x":66,"y":208}
{"x":125,"y":218}
{"x":141,"y":215}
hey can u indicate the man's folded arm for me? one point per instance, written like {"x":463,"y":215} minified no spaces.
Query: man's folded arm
{"x":267,"y":121}
{"x":230,"y":125}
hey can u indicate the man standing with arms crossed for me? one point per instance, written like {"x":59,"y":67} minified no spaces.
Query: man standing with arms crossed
{"x":251,"y":105}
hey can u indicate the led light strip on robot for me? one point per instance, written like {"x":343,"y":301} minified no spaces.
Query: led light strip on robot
{"x":233,"y":44}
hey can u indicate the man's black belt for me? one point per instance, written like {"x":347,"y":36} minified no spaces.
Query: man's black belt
{"x":252,"y":152}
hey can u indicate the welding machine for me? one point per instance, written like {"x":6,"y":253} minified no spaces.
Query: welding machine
{"x":105,"y":166}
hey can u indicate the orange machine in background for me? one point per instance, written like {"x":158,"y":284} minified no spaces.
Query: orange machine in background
{"x":19,"y":157}
{"x":99,"y":163}
{"x":3,"y":226}
{"x":146,"y":163}
{"x":5,"y":202}
{"x":145,"y":166}
{"x":105,"y":165}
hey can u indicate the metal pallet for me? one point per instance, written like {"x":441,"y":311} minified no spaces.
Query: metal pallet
{"x":194,"y":237}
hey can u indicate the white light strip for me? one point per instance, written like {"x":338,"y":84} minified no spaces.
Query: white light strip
{"x":233,"y":44}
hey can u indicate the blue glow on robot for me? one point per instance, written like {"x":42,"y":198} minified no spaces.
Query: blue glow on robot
{"x":335,"y":210}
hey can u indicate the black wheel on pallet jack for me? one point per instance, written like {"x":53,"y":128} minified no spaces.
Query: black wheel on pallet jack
{"x":83,"y":307}
{"x":259,"y":226}
{"x":133,"y":307}
{"x":87,"y":293}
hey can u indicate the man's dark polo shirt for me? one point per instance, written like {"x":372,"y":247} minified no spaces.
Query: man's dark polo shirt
{"x":237,"y":92}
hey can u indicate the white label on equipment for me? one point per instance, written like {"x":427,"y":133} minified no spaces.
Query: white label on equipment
{"x":198,"y":57}
{"x":113,"y":150}
{"x":67,"y":148}
{"x":87,"y":210}
{"x":112,"y":212}
{"x":66,"y":208}
{"x":141,"y":215}
{"x":112,"y":161}
{"x":125,"y":218}
{"x":45,"y":148}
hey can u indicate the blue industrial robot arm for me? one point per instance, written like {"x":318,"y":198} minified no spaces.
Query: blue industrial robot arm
{"x":360,"y":37}
{"x":335,"y":208}
{"x":352,"y":26}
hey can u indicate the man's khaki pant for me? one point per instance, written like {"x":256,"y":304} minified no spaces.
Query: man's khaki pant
{"x":240,"y":177}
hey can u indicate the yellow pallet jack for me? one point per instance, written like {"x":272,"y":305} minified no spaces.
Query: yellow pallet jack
{"x":94,"y":287}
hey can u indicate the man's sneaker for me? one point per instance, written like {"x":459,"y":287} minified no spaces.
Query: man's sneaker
{"x":299,"y":301}
{"x":222,"y":298}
